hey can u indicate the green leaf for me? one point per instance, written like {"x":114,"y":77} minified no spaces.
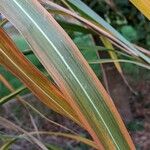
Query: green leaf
{"x":48,"y":93}
{"x":143,"y":6}
{"x":119,"y":60}
{"x":76,"y":80}
{"x":12,"y":95}
{"x":93,"y":16}
{"x":53,"y":147}
{"x":7,"y":144}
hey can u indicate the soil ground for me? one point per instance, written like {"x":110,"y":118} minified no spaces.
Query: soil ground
{"x":139,"y":124}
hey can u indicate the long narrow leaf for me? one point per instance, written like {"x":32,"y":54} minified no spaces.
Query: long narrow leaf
{"x":70,"y":136}
{"x":97,"y":28}
{"x":6,"y":123}
{"x":7,"y":144}
{"x":143,"y":6}
{"x":119,"y":60}
{"x":49,"y":133}
{"x":10,"y":96}
{"x":64,"y":62}
{"x":91,"y":14}
{"x":16,"y":62}
{"x":112,"y":54}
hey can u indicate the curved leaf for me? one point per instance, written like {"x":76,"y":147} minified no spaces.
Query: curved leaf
{"x":143,"y":6}
{"x":16,"y":62}
{"x":62,"y":59}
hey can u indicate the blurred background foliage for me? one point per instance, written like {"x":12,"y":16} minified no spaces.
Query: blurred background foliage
{"x":125,"y":18}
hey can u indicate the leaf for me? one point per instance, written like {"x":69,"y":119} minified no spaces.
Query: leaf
{"x":119,"y":60}
{"x":57,"y":134}
{"x":53,"y":147}
{"x":12,"y":95}
{"x":11,"y":79}
{"x":102,"y":23}
{"x":17,"y":92}
{"x":76,"y":80}
{"x":143,"y":6}
{"x":6,"y":123}
{"x":112,"y":54}
{"x":7,"y":144}
{"x":3,"y":22}
{"x":129,"y":33}
{"x":70,"y":136}
{"x":5,"y":82}
{"x":143,"y":50}
{"x":97,"y":28}
{"x":91,"y":15}
{"x":16,"y":62}
{"x":89,"y":24}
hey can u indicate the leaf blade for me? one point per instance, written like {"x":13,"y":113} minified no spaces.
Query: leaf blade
{"x":143,"y":6}
{"x":71,"y":72}
{"x":92,"y":15}
{"x":15,"y":61}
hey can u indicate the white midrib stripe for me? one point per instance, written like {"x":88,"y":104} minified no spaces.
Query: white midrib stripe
{"x":68,"y":67}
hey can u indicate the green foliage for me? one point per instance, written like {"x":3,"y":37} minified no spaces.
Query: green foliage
{"x":135,"y":126}
{"x":89,"y":54}
{"x":11,"y":79}
{"x":129,"y":33}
